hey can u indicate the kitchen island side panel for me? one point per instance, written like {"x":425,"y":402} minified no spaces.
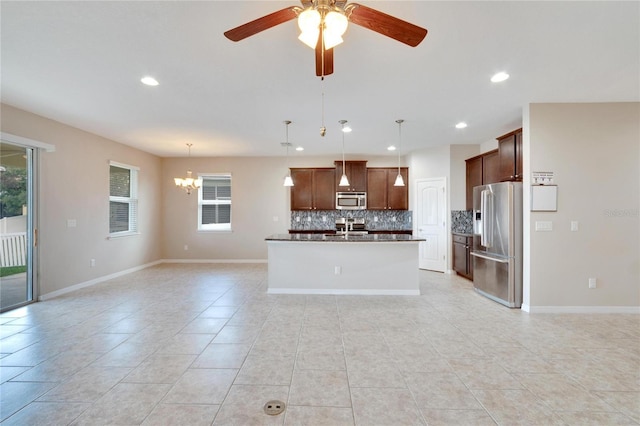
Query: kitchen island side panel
{"x":365,"y":268}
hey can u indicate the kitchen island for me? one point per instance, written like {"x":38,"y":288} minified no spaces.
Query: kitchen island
{"x":378,"y":264}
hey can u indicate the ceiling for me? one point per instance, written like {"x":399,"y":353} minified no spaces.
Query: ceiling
{"x":80,"y":63}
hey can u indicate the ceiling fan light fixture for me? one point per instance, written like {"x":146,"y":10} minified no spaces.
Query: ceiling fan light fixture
{"x":309,"y":24}
{"x":309,"y":37}
{"x":335,"y":25}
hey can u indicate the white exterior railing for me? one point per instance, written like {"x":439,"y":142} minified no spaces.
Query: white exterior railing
{"x":13,"y":249}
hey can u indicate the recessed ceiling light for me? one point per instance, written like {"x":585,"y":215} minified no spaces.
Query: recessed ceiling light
{"x":391,"y":148}
{"x":461,"y":125}
{"x":299,"y":148}
{"x":501,"y":76}
{"x":149,"y":81}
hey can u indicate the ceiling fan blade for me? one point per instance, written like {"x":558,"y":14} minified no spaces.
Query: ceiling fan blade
{"x":324,"y":58}
{"x":384,"y":24}
{"x":326,"y":62}
{"x":261,"y":24}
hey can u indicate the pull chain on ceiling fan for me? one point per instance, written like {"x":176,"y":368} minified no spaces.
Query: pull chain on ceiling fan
{"x":323,"y":22}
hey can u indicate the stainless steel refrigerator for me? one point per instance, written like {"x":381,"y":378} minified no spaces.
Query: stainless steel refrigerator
{"x":497,"y":242}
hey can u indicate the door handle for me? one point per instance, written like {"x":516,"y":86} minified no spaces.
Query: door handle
{"x":490,"y":258}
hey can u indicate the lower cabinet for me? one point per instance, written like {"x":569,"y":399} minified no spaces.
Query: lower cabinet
{"x":462,"y":260}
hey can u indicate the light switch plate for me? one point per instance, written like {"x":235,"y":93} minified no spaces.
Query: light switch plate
{"x":544,"y":225}
{"x":574,"y":225}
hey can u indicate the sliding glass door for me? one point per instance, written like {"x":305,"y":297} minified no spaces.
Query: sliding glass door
{"x":17,"y":231}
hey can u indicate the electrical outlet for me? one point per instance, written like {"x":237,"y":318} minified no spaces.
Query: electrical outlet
{"x":337,"y":270}
{"x":592,"y":282}
{"x":574,"y":225}
{"x":186,"y":247}
{"x":92,"y":263}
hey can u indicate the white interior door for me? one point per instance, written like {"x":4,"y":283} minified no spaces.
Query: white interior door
{"x":431,"y":208}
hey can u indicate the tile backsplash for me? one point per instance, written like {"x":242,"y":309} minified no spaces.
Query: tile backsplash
{"x":374,"y":219}
{"x":462,"y":221}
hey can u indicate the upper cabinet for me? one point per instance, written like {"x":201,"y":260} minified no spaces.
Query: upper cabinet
{"x":481,"y":170}
{"x":382,"y":194}
{"x":491,"y":167}
{"x":356,"y":172}
{"x":314,"y":189}
{"x":474,"y":177}
{"x":510,"y":153}
{"x":499,"y":165}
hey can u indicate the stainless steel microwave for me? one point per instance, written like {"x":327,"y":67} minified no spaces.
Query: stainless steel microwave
{"x":351,"y":200}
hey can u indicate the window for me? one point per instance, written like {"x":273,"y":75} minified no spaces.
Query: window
{"x":123,"y":199}
{"x":214,"y":203}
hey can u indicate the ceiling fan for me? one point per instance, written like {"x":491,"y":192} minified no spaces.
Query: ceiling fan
{"x":323,"y":22}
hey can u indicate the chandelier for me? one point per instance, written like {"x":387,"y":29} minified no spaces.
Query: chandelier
{"x":188,"y":183}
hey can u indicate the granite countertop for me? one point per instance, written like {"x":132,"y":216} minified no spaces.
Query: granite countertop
{"x":344,"y":238}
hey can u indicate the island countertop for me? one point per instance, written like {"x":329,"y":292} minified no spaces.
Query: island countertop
{"x":347,"y":238}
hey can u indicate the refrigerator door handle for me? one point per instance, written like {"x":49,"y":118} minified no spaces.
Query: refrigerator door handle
{"x":486,"y":208}
{"x":489,"y":258}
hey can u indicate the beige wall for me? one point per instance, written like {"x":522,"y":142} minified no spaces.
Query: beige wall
{"x":594,"y":152}
{"x":74,"y":184}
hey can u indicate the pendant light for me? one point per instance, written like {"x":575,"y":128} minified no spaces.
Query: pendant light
{"x":399,"y":180}
{"x":287,"y":179}
{"x":343,"y":180}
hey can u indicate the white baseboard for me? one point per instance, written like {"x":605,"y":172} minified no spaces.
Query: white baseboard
{"x":214,"y":261}
{"x":581,"y":309}
{"x":351,"y":292}
{"x":94,"y":281}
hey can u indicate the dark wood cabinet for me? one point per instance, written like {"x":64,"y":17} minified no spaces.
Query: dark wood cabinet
{"x":481,"y":170}
{"x":382,"y":194}
{"x":313,"y":189}
{"x":490,"y":167}
{"x":474,"y":178}
{"x":356,"y":172}
{"x":510,"y":156}
{"x":462,"y":260}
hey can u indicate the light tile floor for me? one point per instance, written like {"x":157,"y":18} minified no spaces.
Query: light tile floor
{"x":205,"y":344}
